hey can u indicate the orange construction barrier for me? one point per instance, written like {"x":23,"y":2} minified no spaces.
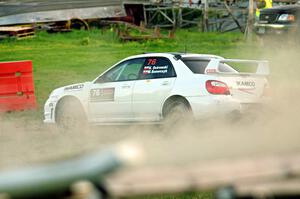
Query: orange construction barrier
{"x":16,"y":86}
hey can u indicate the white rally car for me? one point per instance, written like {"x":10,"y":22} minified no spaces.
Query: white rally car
{"x":148,"y":88}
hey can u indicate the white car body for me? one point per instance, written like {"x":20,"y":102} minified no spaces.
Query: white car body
{"x":143,"y":100}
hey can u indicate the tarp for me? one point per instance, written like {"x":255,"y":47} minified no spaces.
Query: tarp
{"x":33,"y":11}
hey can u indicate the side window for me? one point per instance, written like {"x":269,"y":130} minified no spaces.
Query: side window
{"x":157,"y":67}
{"x":131,"y":70}
{"x":125,"y":71}
{"x":112,"y":74}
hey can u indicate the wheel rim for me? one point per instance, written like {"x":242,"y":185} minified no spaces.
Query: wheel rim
{"x":70,"y":115}
{"x":179,"y":113}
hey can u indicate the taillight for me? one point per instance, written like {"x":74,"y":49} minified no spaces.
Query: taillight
{"x":217,"y":87}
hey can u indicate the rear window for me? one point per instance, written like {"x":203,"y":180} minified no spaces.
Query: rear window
{"x":198,"y":66}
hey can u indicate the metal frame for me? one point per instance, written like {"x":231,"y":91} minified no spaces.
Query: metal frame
{"x":151,"y":12}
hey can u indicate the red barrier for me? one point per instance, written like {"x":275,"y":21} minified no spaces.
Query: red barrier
{"x":16,"y":86}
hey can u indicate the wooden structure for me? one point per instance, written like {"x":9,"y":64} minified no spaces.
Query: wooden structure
{"x":19,"y":32}
{"x":184,"y":13}
{"x":131,"y":32}
{"x":160,"y":13}
{"x":208,"y":15}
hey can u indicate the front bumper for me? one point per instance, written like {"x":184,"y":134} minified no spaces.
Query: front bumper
{"x":277,"y":29}
{"x":49,"y":113}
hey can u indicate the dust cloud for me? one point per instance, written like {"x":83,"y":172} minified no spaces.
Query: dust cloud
{"x":274,"y":130}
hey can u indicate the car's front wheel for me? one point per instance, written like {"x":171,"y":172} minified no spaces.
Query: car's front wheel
{"x":70,"y":114}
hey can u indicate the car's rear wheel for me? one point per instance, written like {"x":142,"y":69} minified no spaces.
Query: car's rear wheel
{"x":177,"y":113}
{"x":70,"y":114}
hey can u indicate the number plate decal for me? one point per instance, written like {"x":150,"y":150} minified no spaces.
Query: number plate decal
{"x":102,"y":94}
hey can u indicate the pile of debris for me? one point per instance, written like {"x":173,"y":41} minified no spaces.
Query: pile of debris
{"x":130,"y":32}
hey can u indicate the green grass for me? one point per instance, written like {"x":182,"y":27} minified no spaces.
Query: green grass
{"x":61,"y":59}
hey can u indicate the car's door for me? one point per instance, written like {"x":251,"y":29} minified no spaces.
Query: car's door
{"x":156,"y":80}
{"x":110,"y":96}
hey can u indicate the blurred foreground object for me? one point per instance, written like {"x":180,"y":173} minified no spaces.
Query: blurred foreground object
{"x":81,"y":176}
{"x":87,"y":177}
{"x":16,"y":86}
{"x":261,"y":177}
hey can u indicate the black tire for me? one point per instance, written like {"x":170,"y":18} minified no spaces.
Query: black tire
{"x":78,"y":24}
{"x":177,"y":113}
{"x":70,"y":115}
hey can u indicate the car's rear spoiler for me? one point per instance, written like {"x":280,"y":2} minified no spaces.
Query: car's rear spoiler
{"x":262,"y":66}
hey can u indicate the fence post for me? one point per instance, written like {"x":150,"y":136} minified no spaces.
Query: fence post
{"x":205,"y":17}
{"x":250,"y":21}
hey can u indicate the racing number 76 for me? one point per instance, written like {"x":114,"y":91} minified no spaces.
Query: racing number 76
{"x":151,"y":61}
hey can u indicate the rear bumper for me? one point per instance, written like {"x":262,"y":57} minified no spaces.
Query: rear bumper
{"x":213,"y":106}
{"x":254,"y":107}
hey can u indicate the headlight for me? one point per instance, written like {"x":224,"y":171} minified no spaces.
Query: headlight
{"x":54,"y":94}
{"x":286,"y":17}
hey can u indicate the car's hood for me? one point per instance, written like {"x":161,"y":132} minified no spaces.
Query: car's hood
{"x":70,"y":88}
